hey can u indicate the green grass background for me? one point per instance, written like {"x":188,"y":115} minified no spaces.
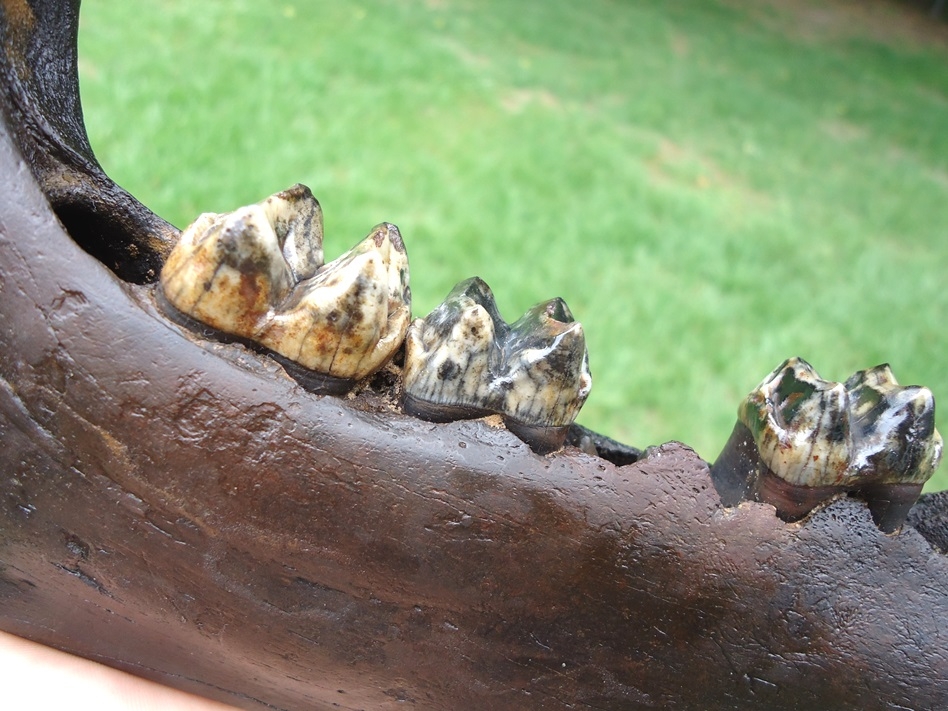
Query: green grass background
{"x":713,"y":186}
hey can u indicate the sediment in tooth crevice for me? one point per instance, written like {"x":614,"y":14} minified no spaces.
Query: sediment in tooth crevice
{"x":464,"y":360}
{"x":800,"y":440}
{"x":257,"y":273}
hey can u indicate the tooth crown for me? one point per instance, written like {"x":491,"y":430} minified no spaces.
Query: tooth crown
{"x":223,"y":271}
{"x":258,"y":273}
{"x":894,"y":426}
{"x":464,"y":355}
{"x":812,"y":432}
{"x":349,"y":318}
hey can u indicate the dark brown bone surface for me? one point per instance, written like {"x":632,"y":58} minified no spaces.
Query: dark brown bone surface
{"x":183,"y":510}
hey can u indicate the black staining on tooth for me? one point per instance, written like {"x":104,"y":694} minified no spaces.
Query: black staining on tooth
{"x":800,"y":441}
{"x":463,"y":360}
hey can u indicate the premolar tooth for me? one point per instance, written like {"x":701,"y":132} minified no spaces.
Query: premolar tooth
{"x":800,"y":440}
{"x":257,"y":273}
{"x":351,"y":317}
{"x":463,"y":360}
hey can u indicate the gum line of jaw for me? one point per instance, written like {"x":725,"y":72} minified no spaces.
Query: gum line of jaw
{"x":257,"y":275}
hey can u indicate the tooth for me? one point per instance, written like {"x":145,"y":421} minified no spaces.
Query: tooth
{"x":297,"y":220}
{"x":257,"y":273}
{"x":227,"y":271}
{"x":463,"y":361}
{"x":547,"y":372}
{"x":351,"y":317}
{"x":800,"y":440}
{"x":898,"y":445}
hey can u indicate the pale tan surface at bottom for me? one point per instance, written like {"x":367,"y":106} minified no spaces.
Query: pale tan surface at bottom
{"x":36,"y":677}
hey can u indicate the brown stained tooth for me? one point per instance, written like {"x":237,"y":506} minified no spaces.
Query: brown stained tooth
{"x":800,"y":440}
{"x":257,"y":274}
{"x":227,"y":271}
{"x":350,"y":318}
{"x":464,"y":361}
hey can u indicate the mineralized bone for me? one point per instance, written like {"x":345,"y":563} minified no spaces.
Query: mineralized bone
{"x":257,"y":273}
{"x":464,"y":361}
{"x":800,"y":440}
{"x":171,"y":510}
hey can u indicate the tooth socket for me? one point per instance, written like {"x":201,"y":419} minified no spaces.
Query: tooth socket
{"x":257,"y":274}
{"x":464,"y":361}
{"x":800,"y":441}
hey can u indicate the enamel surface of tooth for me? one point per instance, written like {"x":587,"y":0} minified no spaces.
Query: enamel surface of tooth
{"x":350,"y":318}
{"x":894,"y":427}
{"x":463,"y":360}
{"x":812,"y":439}
{"x":448,"y":353}
{"x":258,"y":273}
{"x":297,"y":220}
{"x":547,"y":365}
{"x":798,"y":421}
{"x":228,"y":271}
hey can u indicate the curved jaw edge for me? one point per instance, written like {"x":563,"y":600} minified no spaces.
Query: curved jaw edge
{"x":188,"y":520}
{"x":184,"y":501}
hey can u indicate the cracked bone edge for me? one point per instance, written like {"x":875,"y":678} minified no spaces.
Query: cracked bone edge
{"x":350,"y":317}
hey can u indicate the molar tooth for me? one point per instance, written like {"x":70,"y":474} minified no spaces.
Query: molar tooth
{"x":351,"y":317}
{"x":463,"y":360}
{"x":257,"y":273}
{"x":898,"y":447}
{"x":800,"y":440}
{"x":227,"y":271}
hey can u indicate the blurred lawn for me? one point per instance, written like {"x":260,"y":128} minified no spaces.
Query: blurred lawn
{"x":712,"y":186}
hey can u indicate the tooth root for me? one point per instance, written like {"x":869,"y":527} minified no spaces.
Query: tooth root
{"x":350,"y":318}
{"x":463,"y":360}
{"x":801,"y":440}
{"x":297,"y":220}
{"x":227,"y":271}
{"x":257,"y":273}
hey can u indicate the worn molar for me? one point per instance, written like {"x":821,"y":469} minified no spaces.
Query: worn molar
{"x":350,"y":318}
{"x":800,"y":440}
{"x":257,"y":274}
{"x":463,"y":360}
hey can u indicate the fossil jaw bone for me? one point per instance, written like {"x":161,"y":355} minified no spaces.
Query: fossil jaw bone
{"x":257,"y":274}
{"x":801,"y":440}
{"x":463,"y":360}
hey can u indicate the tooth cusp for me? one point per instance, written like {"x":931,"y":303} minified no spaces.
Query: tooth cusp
{"x":801,"y":440}
{"x":463,"y":360}
{"x":257,"y":273}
